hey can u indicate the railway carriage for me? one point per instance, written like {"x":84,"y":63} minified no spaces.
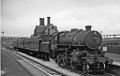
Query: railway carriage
{"x":18,"y":44}
{"x":38,"y":47}
{"x":31,"y":45}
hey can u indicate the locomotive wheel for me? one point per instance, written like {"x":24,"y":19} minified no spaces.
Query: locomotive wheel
{"x":43,"y":56}
{"x":46,"y":56}
{"x":37,"y":55}
{"x":65,"y":60}
{"x":73,"y":66}
{"x":40,"y":55}
{"x":107,"y":66}
{"x":30,"y":53}
{"x":59,"y":59}
{"x":104,"y":69}
{"x":85,"y":68}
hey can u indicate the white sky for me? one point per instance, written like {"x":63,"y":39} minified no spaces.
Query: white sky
{"x":19,"y":17}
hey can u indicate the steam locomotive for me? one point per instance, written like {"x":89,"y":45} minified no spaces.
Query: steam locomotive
{"x":77,"y":49}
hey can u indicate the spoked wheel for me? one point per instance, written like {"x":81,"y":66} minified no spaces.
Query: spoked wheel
{"x":47,"y":57}
{"x":42,"y":55}
{"x":104,"y":68}
{"x":73,"y":66}
{"x":66,"y":60}
{"x":85,"y":68}
{"x":59,"y":59}
{"x":107,"y":66}
{"x":37,"y":55}
{"x":31,"y":53}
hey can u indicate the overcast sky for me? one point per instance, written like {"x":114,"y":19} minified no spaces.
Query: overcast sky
{"x":19,"y":17}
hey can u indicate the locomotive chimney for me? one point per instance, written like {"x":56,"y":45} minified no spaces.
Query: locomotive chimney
{"x":41,"y":21}
{"x":48,"y":20}
{"x":88,"y":27}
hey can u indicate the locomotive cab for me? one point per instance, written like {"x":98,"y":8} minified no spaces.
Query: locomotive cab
{"x":44,"y":46}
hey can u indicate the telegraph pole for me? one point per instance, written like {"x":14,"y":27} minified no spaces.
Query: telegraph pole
{"x":3,"y":33}
{"x":2,"y":37}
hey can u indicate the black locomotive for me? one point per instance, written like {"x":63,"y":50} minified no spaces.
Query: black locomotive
{"x":76,"y":49}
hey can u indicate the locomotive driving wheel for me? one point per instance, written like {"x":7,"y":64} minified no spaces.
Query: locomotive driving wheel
{"x":85,"y":68}
{"x":66,"y":60}
{"x":73,"y":66}
{"x":62,"y":60}
{"x":59,"y":59}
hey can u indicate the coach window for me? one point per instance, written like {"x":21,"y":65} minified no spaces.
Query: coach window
{"x":116,"y":43}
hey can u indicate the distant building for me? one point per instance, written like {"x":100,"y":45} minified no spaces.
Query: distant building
{"x":111,"y":39}
{"x":7,"y":40}
{"x":44,"y":29}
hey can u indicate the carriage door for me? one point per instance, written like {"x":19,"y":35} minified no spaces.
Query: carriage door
{"x":45,"y":43}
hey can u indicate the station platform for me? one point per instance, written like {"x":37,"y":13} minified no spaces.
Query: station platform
{"x":115,"y":57}
{"x":116,"y":63}
{"x":13,"y":65}
{"x":51,"y":64}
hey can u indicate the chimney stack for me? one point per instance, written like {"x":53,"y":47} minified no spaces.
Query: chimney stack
{"x":41,"y":21}
{"x":48,"y":20}
{"x":88,"y":27}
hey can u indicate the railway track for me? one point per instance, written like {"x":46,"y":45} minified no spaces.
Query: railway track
{"x":34,"y":63}
{"x":58,"y":72}
{"x":45,"y":69}
{"x":113,"y":71}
